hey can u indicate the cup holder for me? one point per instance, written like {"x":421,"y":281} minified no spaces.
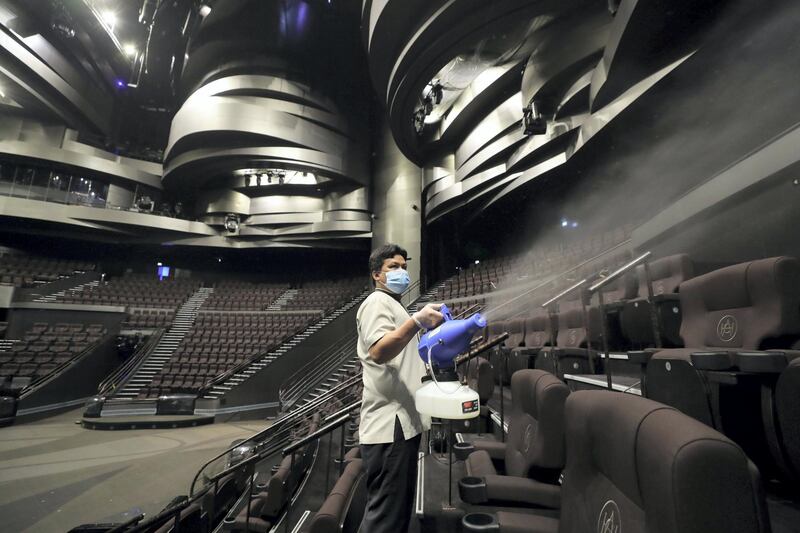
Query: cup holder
{"x":462,"y":450}
{"x":472,"y":490}
{"x":478,"y":522}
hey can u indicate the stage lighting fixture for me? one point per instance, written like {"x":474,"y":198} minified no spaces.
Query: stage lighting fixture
{"x":232,"y":223}
{"x":130,"y":50}
{"x":533,"y":123}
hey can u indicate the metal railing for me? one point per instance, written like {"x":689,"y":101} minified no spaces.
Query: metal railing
{"x":267,"y":435}
{"x":597,"y":288}
{"x":128,"y":368}
{"x":315,"y":370}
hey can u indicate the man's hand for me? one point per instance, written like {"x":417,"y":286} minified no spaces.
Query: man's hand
{"x":429,"y":316}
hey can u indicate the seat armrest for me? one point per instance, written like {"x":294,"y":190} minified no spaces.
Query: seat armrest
{"x":713,"y":360}
{"x":640,"y":357}
{"x":762,"y":362}
{"x":496,"y":450}
{"x":522,"y":490}
{"x":571,"y":352}
{"x":671,"y":297}
{"x":524,"y":350}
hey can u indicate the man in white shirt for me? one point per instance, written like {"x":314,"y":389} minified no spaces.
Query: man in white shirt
{"x":390,"y":428}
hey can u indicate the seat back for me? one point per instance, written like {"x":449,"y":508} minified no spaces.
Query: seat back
{"x":637,"y":465}
{"x":538,"y":330}
{"x":536,"y":426}
{"x":480,"y":378}
{"x":341,"y":509}
{"x":666,"y":274}
{"x":516,"y":333}
{"x":750,"y":305}
{"x":571,"y":329}
{"x":788,"y":412}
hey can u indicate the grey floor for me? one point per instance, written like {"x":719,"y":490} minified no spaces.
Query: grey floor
{"x":55,"y":475}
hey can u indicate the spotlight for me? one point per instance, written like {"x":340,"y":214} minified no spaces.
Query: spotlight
{"x":232,"y":223}
{"x":574,"y":224}
{"x":477,"y":262}
{"x":130,"y":50}
{"x":564,"y":223}
{"x":533,"y":123}
{"x":120,"y":83}
{"x":205,"y":10}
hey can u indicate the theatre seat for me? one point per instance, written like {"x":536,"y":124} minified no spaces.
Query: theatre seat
{"x":749,"y":306}
{"x":634,"y":465}
{"x":666,"y":275}
{"x":539,"y":332}
{"x":525,"y":468}
{"x":343,"y":509}
{"x":570,"y":355}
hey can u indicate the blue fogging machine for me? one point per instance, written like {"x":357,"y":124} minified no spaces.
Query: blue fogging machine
{"x":442,"y":395}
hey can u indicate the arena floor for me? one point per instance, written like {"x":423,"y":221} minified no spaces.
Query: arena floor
{"x":55,"y":475}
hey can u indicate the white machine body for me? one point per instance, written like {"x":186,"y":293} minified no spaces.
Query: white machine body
{"x":449,"y":400}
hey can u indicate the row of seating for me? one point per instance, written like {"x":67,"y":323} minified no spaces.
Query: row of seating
{"x":135,"y":290}
{"x":606,"y":461}
{"x":148,"y":318}
{"x":218,"y":342}
{"x":241,"y":296}
{"x":29,"y":271}
{"x":45,"y":347}
{"x":740,"y":328}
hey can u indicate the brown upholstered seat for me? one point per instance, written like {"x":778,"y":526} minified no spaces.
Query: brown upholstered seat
{"x":533,"y":455}
{"x":570,"y":355}
{"x":666,"y":275}
{"x":539,"y":332}
{"x":343,"y":509}
{"x":748,"y":306}
{"x":637,"y":465}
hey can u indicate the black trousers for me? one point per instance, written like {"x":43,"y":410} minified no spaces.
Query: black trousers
{"x":391,"y":480}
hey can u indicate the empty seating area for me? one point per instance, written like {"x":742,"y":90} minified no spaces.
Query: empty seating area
{"x":325,"y":296}
{"x":44,"y":347}
{"x":218,"y":342}
{"x":243,"y":296}
{"x":135,"y":291}
{"x":30,"y":271}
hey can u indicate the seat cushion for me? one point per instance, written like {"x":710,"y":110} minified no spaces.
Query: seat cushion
{"x":526,"y":523}
{"x":479,"y":464}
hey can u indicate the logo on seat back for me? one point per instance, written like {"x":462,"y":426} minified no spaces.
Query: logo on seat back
{"x":526,"y":439}
{"x":658,"y":287}
{"x":609,"y":520}
{"x":572,"y":337}
{"x":727,"y":328}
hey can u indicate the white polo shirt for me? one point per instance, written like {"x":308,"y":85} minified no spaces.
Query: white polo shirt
{"x":389,"y":388}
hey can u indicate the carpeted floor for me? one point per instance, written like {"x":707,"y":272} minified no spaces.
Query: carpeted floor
{"x":55,"y":475}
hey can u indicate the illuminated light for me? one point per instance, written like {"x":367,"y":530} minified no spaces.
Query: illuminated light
{"x":2,"y":93}
{"x":120,"y":83}
{"x":574,"y":224}
{"x":205,"y":10}
{"x":564,"y":223}
{"x":110,"y":19}
{"x":130,"y":50}
{"x":158,"y":264}
{"x":477,"y":262}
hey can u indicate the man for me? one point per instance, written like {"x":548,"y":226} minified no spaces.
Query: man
{"x":391,"y":427}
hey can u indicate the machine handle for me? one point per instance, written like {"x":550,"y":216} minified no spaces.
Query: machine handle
{"x":446,"y":313}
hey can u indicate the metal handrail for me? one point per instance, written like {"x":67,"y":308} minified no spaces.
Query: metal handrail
{"x":131,"y":365}
{"x":324,"y":430}
{"x":279,"y":424}
{"x":325,"y":368}
{"x":292,"y":380}
{"x":565,"y":292}
{"x":619,"y":272}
